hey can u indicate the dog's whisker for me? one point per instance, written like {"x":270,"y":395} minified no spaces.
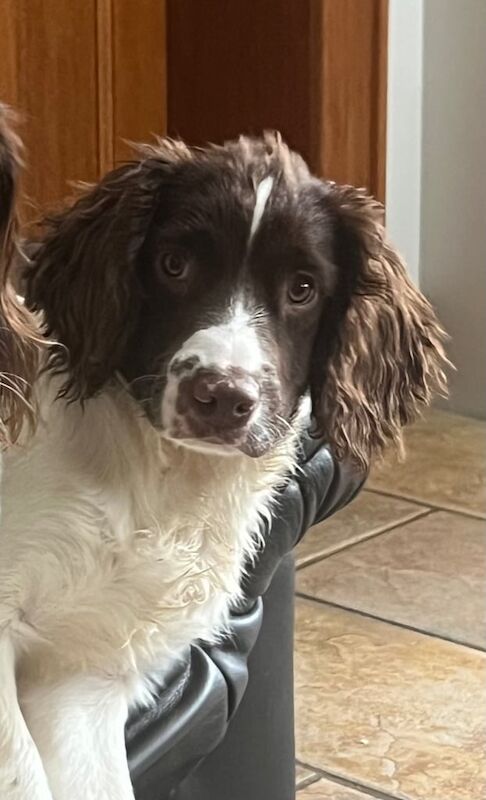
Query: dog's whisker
{"x":141,"y":378}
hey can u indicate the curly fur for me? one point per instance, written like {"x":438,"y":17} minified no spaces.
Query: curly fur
{"x":97,"y":238}
{"x":385,"y":356}
{"x":97,"y":241}
{"x":19,"y":343}
{"x":380,"y":356}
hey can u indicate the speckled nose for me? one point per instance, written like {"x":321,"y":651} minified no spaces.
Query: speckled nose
{"x":224,"y":401}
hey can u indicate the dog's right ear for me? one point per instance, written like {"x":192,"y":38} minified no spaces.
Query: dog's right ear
{"x":84,"y":278}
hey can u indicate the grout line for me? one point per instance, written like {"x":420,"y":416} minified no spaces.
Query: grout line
{"x":314,"y":778}
{"x":450,"y":508}
{"x":386,"y":529}
{"x":349,"y":783}
{"x":396,"y":496}
{"x":370,"y":615}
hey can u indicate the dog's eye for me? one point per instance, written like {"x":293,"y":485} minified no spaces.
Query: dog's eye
{"x":174,"y":264}
{"x":301,"y":288}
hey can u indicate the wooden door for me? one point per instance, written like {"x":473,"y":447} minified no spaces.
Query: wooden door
{"x":313,"y":69}
{"x":350,"y":79}
{"x":83,"y":75}
{"x":86,"y":74}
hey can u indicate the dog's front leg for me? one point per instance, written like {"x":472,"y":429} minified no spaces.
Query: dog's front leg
{"x":22,"y":775}
{"x":78,"y":727}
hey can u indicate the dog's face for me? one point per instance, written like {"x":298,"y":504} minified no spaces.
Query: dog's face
{"x":222,"y":285}
{"x":233,"y":276}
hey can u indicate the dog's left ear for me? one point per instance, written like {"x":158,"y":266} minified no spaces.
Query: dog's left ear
{"x":379,"y":356}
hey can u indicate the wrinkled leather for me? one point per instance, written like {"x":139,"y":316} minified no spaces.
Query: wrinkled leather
{"x":196,"y":703}
{"x":318,"y":489}
{"x":193,"y":708}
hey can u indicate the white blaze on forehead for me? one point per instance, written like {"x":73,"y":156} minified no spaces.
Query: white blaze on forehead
{"x":262,"y":194}
{"x":233,"y":343}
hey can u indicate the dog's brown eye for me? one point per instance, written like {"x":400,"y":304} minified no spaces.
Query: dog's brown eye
{"x":301,"y":289}
{"x":174,"y":265}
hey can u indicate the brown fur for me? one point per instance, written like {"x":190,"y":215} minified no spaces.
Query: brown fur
{"x":19,"y":344}
{"x":97,"y":242}
{"x":89,"y":302}
{"x":378,"y":356}
{"x":387,"y":357}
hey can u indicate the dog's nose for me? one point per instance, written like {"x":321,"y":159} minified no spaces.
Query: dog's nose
{"x":224,"y":401}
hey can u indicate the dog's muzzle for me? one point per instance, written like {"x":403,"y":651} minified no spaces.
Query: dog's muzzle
{"x":219,"y":403}
{"x":215,"y":405}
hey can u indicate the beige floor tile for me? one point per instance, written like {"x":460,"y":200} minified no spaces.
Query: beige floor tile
{"x":368,"y":514}
{"x":392,"y":709}
{"x":302,"y":774}
{"x":429,"y":574}
{"x":445,"y":465}
{"x":328,"y":790}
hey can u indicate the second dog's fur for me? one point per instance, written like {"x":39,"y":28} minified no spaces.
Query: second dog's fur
{"x":19,"y":341}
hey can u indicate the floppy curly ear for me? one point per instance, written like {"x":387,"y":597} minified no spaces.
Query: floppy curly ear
{"x":384,"y":354}
{"x":84,"y":277}
{"x":19,"y":341}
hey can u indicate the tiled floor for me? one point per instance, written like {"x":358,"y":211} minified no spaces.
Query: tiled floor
{"x":391,"y":629}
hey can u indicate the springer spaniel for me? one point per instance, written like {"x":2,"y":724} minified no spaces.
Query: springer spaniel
{"x":19,"y":345}
{"x":196,"y":296}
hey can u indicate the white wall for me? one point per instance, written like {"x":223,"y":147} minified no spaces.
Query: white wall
{"x":436,"y":165}
{"x":404,"y":128}
{"x":453,"y":214}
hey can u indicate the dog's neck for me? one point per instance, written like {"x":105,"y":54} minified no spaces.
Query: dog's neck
{"x":172,"y":527}
{"x":119,"y":455}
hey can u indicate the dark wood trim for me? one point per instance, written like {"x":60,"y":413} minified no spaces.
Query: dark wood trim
{"x":380,"y":92}
{"x":104,"y":54}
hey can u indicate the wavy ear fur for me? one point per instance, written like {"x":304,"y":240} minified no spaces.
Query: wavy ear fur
{"x":19,"y":342}
{"x":385,"y":356}
{"x":84,"y":279}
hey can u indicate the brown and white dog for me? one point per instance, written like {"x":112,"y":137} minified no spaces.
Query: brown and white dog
{"x":197,"y":296}
{"x":19,"y":344}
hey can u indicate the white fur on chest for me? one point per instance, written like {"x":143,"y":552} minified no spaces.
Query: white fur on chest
{"x":118,"y":549}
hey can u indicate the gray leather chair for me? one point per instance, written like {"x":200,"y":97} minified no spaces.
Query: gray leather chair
{"x":223,"y":726}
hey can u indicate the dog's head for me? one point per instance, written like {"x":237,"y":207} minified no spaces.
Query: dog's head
{"x":223,"y":284}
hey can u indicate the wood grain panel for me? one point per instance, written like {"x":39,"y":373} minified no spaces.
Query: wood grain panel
{"x":139,"y":72}
{"x":351,"y":91}
{"x":57,"y":90}
{"x":347,"y":94}
{"x":8,"y":50}
{"x":83,"y":74}
{"x":104,"y":48}
{"x":88,"y":73}
{"x":237,"y":67}
{"x":314,"y":69}
{"x":380,"y":94}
